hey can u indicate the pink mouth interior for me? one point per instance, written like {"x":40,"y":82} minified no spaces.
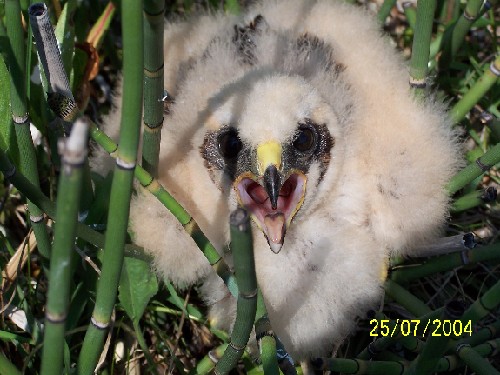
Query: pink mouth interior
{"x":273,"y":221}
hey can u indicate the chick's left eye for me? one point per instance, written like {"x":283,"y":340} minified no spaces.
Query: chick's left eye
{"x":229,"y":144}
{"x":305,"y":139}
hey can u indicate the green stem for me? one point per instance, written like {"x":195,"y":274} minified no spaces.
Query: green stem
{"x":474,"y":199}
{"x":357,"y":366}
{"x":20,"y":116}
{"x":244,"y":266}
{"x":144,"y":347}
{"x":421,"y":45}
{"x":435,"y":346}
{"x":406,"y":299}
{"x":69,"y":190}
{"x":478,"y":364}
{"x":476,"y":92}
{"x":121,"y":188}
{"x":265,"y":338}
{"x":153,"y":83}
{"x":446,"y":262}
{"x":458,"y":31}
{"x":385,"y":10}
{"x":474,"y":170}
{"x":207,"y":364}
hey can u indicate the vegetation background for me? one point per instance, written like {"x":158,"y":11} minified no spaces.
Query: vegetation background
{"x":157,"y":329}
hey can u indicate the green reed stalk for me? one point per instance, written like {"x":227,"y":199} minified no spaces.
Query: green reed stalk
{"x":265,"y":338}
{"x":474,"y":199}
{"x":20,"y":117}
{"x":358,"y":366}
{"x":207,"y":364}
{"x":385,"y":10}
{"x":74,"y":153}
{"x":435,"y":346}
{"x":121,"y":188}
{"x":478,"y":364}
{"x":421,"y":46}
{"x":405,"y":298}
{"x":484,"y":305}
{"x":446,"y":262}
{"x":153,"y":83}
{"x":476,"y":92}
{"x":458,"y":31}
{"x":411,"y":17}
{"x":474,"y":170}
{"x":244,"y":268}
{"x":189,"y":224}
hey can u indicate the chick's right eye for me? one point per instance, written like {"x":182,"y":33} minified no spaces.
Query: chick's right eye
{"x":229,"y":144}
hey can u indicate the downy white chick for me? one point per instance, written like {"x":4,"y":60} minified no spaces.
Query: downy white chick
{"x":301,"y":112}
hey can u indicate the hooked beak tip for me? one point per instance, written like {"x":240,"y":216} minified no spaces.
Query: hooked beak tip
{"x":272,"y":184}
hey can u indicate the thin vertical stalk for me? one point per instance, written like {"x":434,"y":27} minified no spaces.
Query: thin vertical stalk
{"x":421,"y":45}
{"x":244,"y":267}
{"x":458,"y":31}
{"x":385,"y":10}
{"x":153,"y":83}
{"x":121,"y":188}
{"x":74,"y":152}
{"x":488,"y":79}
{"x":20,"y":117}
{"x":65,"y":33}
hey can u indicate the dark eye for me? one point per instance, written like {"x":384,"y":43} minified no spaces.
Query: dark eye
{"x":305,"y":140}
{"x":229,"y":144}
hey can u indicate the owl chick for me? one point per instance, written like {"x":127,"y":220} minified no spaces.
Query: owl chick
{"x":299,"y":111}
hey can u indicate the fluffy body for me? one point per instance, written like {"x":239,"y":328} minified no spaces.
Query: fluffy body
{"x":382,"y":189}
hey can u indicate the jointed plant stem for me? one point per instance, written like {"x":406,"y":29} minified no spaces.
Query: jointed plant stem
{"x":19,"y":109}
{"x":121,"y":188}
{"x":70,"y":183}
{"x":490,"y":76}
{"x":421,"y":45}
{"x":153,"y":83}
{"x":242,"y":249}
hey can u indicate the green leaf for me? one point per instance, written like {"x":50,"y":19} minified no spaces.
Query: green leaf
{"x":9,"y":336}
{"x":174,"y":297}
{"x":65,"y":34}
{"x":137,"y":285}
{"x":5,"y":116}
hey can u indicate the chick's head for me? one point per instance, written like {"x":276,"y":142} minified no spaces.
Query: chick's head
{"x":273,"y":144}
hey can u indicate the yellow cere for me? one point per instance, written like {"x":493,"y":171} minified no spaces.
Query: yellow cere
{"x":268,"y":153}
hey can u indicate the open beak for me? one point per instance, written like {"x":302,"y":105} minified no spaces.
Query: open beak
{"x":272,"y":198}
